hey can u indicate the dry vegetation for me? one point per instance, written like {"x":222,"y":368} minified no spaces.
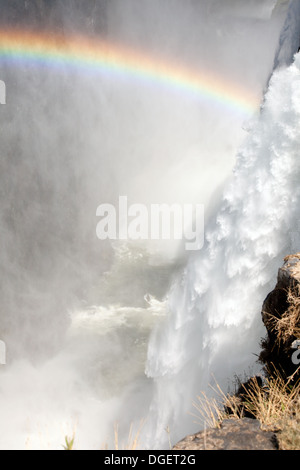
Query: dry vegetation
{"x":287,"y":325}
{"x":275,"y":404}
{"x":274,"y":400}
{"x":132,"y":442}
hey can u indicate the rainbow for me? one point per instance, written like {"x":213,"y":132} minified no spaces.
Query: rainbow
{"x":54,"y":50}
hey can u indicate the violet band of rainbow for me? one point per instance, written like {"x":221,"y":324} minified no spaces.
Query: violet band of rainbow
{"x":54,"y":50}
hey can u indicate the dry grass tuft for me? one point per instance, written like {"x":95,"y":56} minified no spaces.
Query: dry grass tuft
{"x":212,"y":410}
{"x":289,"y":435}
{"x":288,"y":325}
{"x":273,"y":402}
{"x":132,"y":440}
{"x":276,"y":405}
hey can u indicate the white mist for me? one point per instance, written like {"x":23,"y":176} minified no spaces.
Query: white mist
{"x":76,"y":315}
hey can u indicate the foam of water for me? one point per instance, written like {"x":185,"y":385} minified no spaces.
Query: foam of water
{"x":215,"y":326}
{"x":79,"y":366}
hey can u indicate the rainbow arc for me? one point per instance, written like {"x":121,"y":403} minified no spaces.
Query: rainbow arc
{"x":53,"y":50}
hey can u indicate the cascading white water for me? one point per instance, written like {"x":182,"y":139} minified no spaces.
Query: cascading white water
{"x":214,"y":327}
{"x":74,"y":313}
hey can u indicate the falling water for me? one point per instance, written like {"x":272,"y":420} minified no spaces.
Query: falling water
{"x":77,"y":313}
{"x":214,"y":329}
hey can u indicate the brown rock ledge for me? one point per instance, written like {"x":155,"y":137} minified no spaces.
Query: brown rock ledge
{"x":281,"y":317}
{"x":234,"y":434}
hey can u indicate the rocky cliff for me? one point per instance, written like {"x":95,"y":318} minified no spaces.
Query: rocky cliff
{"x":280,"y":358}
{"x":281,"y":317}
{"x":242,"y":434}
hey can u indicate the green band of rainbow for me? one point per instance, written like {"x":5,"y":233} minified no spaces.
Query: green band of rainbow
{"x":53,"y":49}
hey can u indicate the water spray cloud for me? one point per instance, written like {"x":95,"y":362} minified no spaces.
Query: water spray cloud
{"x":109,"y":58}
{"x":2,"y":92}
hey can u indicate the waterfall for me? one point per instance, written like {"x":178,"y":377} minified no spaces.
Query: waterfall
{"x":146,"y":101}
{"x":214,"y":326}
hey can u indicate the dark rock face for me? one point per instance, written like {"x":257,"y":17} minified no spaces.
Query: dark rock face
{"x":242,"y":396}
{"x":281,"y":318}
{"x":242,"y":434}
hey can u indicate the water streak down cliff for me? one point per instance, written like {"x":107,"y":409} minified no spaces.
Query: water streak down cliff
{"x":215,"y":326}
